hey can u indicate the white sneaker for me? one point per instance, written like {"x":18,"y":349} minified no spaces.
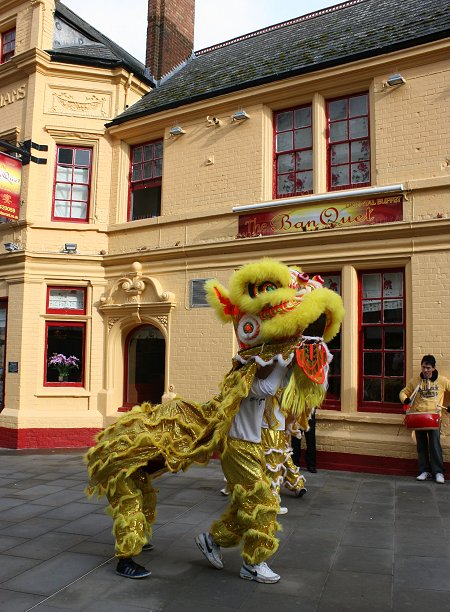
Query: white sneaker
{"x":210,"y":549}
{"x":440,"y":478}
{"x":282,"y":510}
{"x":224,"y":491}
{"x":260,"y":572}
{"x":423,"y":476}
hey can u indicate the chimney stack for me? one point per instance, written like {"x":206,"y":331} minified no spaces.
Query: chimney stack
{"x":170,"y":34}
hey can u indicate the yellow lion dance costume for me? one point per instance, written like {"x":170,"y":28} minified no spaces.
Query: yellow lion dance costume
{"x":272,"y":308}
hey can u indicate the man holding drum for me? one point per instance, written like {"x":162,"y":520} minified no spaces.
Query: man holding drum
{"x":425,"y":394}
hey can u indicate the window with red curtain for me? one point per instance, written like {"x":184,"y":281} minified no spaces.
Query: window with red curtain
{"x":382,"y":334}
{"x":8,"y":45}
{"x":348,"y":142}
{"x":293,"y":152}
{"x":72,"y":186}
{"x":65,"y":338}
{"x":145,"y":181}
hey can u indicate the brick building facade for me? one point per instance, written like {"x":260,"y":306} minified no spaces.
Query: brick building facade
{"x":322,"y":142}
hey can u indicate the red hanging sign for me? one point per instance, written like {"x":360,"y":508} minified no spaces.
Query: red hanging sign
{"x":10,"y":183}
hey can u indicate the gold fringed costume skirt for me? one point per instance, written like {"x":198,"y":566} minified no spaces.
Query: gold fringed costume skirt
{"x":250,"y":519}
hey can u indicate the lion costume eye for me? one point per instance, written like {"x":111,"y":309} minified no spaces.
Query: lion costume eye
{"x":264,"y":287}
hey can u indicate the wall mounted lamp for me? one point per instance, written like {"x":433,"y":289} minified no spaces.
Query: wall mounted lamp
{"x":240,"y":115}
{"x":395,"y":79}
{"x":176,"y":130}
{"x":70,"y":247}
{"x":11,"y":247}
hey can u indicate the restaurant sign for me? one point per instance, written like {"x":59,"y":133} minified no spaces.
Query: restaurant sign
{"x":10,"y":182}
{"x":313,"y":217}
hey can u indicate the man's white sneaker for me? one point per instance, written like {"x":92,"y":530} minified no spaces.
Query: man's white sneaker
{"x":423,"y":476}
{"x":282,"y":510}
{"x":260,"y":573}
{"x":210,"y":549}
{"x":440,"y":478}
{"x":224,"y":491}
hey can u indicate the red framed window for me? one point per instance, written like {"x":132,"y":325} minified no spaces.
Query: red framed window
{"x":66,"y":300}
{"x":145,"y":181}
{"x":333,"y":399}
{"x":64,"y":353}
{"x":293,"y":155}
{"x":382,"y":334}
{"x":8,"y":45}
{"x":72,"y":187}
{"x":348,"y":142}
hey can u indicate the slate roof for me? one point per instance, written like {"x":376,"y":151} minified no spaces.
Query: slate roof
{"x":103,"y":52}
{"x":344,"y":33}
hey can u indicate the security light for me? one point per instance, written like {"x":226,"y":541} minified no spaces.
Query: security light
{"x":176,"y":130}
{"x":11,"y":246}
{"x":70,"y":247}
{"x":240,"y":115}
{"x":396,"y":79}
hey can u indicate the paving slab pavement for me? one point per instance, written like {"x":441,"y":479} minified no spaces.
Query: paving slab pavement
{"x":354,"y":543}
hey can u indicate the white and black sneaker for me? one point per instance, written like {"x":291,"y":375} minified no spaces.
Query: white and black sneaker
{"x":210,"y":549}
{"x":260,"y":573}
{"x":129,"y":569}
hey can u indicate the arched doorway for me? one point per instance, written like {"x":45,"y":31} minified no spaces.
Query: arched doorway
{"x":144,"y":366}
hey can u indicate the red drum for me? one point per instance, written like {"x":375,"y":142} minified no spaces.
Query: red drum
{"x":422,"y":420}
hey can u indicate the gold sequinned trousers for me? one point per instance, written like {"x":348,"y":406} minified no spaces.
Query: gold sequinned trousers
{"x":250,"y":519}
{"x":280,"y":468}
{"x":133,"y":509}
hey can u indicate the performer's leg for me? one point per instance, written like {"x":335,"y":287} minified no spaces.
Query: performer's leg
{"x":293,"y":479}
{"x":310,"y":440}
{"x":422,"y":451}
{"x":132,"y":520}
{"x":251,"y":515}
{"x":435,"y":450}
{"x":296,"y":450}
{"x":273,"y":444}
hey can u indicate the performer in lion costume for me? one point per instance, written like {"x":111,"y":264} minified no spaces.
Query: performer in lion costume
{"x":272,"y":308}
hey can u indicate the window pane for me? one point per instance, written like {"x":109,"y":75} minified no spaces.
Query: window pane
{"x":147,"y":166}
{"x":393,"y":284}
{"x":304,"y":182}
{"x":393,"y":364}
{"x":392,"y":388}
{"x":157,"y":169}
{"x":62,"y":191}
{"x":372,"y":389}
{"x":66,"y":299}
{"x":337,"y":109}
{"x":285,"y":163}
{"x":80,"y":192}
{"x":304,"y":160}
{"x":394,"y":338}
{"x":359,"y":128}
{"x":371,"y":285}
{"x":146,"y":203}
{"x":360,"y":150}
{"x":393,"y":311}
{"x":286,"y":184}
{"x":136,"y":174}
{"x":335,"y":343}
{"x":359,"y":105}
{"x":372,"y":338}
{"x":158,"y":150}
{"x":284,"y":121}
{"x":335,"y":365}
{"x":338,"y":131}
{"x":137,"y":154}
{"x":62,"y":209}
{"x":148,"y":152}
{"x":333,"y":282}
{"x":82,"y":157}
{"x":65,"y":156}
{"x":284,"y":141}
{"x":339,"y":154}
{"x":334,"y":387}
{"x":302,"y":138}
{"x":302,"y":117}
{"x":81,"y":175}
{"x":371,"y":311}
{"x":79,"y":210}
{"x":64,"y":173}
{"x":67,"y":341}
{"x":372,"y":364}
{"x":360,"y":173}
{"x":339,"y":176}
